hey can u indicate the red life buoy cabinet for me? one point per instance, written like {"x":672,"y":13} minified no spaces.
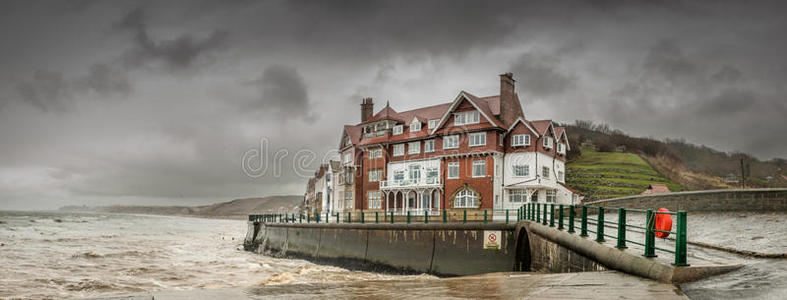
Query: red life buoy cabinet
{"x":663,"y":222}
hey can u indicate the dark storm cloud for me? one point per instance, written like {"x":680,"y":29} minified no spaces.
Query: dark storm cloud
{"x":283,"y":94}
{"x":540,"y":74}
{"x":207,"y":80}
{"x":52,"y":92}
{"x":178,"y":53}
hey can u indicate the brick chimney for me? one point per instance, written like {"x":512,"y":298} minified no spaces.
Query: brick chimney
{"x":510,"y":108}
{"x":367,"y":109}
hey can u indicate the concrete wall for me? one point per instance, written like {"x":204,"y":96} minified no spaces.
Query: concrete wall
{"x":712,"y":200}
{"x":442,"y":249}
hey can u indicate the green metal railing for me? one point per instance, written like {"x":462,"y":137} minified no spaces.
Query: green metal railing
{"x":543,"y":213}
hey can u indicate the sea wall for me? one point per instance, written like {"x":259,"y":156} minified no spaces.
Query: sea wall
{"x":442,"y":249}
{"x":711,"y":200}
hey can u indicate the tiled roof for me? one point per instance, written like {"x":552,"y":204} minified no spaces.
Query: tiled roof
{"x":541,"y":126}
{"x":354,"y":132}
{"x":387,"y":113}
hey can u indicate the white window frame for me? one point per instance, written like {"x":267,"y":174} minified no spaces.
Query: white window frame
{"x":551,"y":195}
{"x":526,"y":168}
{"x":348,"y":158}
{"x":447,"y":145}
{"x":415,"y":126}
{"x":517,"y":196}
{"x":375,"y":175}
{"x":433,"y":123}
{"x":481,"y":163}
{"x":519,"y":140}
{"x":561,"y":176}
{"x":375,"y":153}
{"x":429,"y":146}
{"x":374,"y":199}
{"x":561,"y":148}
{"x":547,"y":142}
{"x":398,"y":129}
{"x":477,"y":139}
{"x":452,"y":166}
{"x":398,"y":150}
{"x":465,"y":199}
{"x":348,"y":199}
{"x":467,"y":118}
{"x":414,"y":148}
{"x":545,"y":172}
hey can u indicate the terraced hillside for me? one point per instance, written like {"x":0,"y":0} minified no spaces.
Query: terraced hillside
{"x":601,"y":175}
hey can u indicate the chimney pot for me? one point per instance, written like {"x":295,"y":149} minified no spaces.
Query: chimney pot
{"x":367,"y":109}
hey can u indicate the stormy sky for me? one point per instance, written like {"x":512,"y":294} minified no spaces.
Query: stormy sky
{"x":165,"y":102}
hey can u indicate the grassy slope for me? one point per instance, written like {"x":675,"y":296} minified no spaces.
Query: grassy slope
{"x":601,"y":175}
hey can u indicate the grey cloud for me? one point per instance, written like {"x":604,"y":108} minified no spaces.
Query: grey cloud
{"x":47,"y":91}
{"x":541,"y":74}
{"x":105,"y":80}
{"x":283,"y":94}
{"x":179,"y":53}
{"x":51,"y":91}
{"x":666,"y":59}
{"x":727,"y":74}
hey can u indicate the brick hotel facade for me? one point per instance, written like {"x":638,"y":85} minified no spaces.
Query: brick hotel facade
{"x":471,"y":153}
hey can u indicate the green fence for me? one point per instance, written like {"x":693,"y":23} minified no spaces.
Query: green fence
{"x":563,"y":217}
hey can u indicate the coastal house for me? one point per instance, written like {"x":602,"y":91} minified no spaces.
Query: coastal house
{"x":469,"y":153}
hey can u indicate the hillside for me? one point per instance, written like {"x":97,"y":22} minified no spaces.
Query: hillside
{"x":235,"y":209}
{"x":607,"y":162}
{"x":600,"y":175}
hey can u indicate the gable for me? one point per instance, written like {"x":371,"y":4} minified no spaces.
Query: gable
{"x":463,"y":102}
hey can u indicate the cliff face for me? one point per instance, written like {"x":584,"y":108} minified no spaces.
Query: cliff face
{"x":235,"y":209}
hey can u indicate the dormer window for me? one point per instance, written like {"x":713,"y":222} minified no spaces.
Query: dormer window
{"x":347,"y":141}
{"x":433,"y":123}
{"x":561,"y":148}
{"x":398,"y":129}
{"x":466,"y":118}
{"x":518,"y":140}
{"x":548,"y":142}
{"x":415,"y":126}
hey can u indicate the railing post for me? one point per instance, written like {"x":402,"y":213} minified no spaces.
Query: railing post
{"x":308,"y":218}
{"x":363,"y":215}
{"x":560,"y":217}
{"x":392,"y":218}
{"x":327,"y":218}
{"x":552,"y":215}
{"x":445,"y":216}
{"x":464,"y":216}
{"x":376,"y":217}
{"x":545,"y":218}
{"x":408,"y":217}
{"x":571,"y":215}
{"x":650,"y":237}
{"x":426,"y":217}
{"x":583,"y":223}
{"x":349,"y":217}
{"x":680,"y":240}
{"x":506,"y":216}
{"x":485,"y":217}
{"x":600,"y":225}
{"x":621,"y":228}
{"x":337,"y":217}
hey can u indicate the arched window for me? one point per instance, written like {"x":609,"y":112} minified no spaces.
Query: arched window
{"x":466,"y":198}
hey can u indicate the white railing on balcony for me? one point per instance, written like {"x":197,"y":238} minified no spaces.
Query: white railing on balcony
{"x":421,"y":182}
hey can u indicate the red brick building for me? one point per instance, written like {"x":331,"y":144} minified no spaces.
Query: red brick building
{"x":470,"y":153}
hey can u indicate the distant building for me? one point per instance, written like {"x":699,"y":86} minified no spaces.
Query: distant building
{"x":655,"y":188}
{"x":731,"y":178}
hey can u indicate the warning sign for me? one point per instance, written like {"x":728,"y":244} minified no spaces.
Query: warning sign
{"x":492,"y":239}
